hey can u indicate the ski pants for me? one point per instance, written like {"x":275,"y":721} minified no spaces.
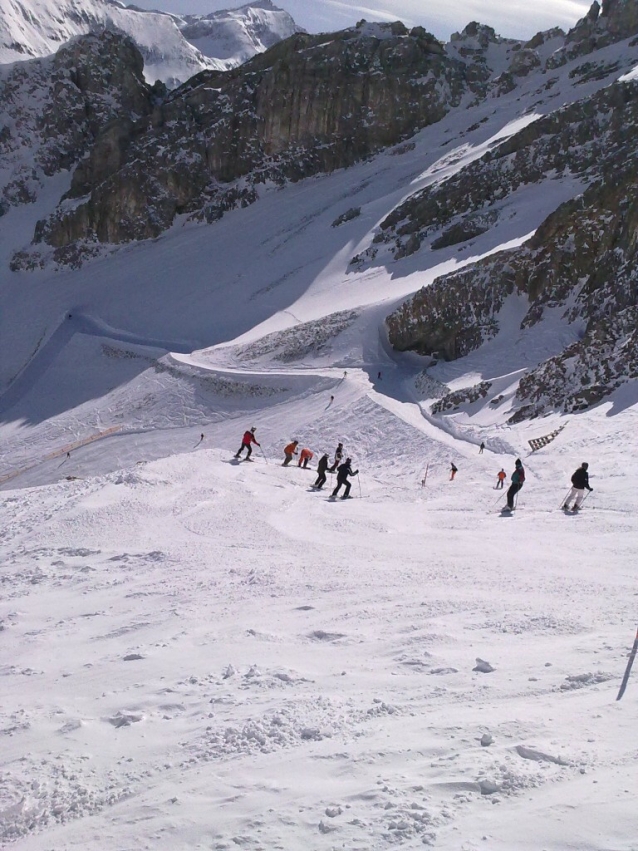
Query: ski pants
{"x":499,"y":484}
{"x":338,"y":488}
{"x":511,"y":493}
{"x":334,"y":466}
{"x":321,"y":480}
{"x":287,"y":459}
{"x":578,"y":494}
{"x":241,"y":449}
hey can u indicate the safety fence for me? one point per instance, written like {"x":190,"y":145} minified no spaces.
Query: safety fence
{"x":65,"y":450}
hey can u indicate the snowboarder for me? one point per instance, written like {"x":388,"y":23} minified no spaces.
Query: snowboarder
{"x":322,"y":466}
{"x":338,"y":457}
{"x":580,"y":481}
{"x":453,"y":471}
{"x":247,"y":439}
{"x":304,"y":457}
{"x":289,"y":451}
{"x":344,"y":471}
{"x":500,"y":479}
{"x":518,"y":478}
{"x":481,"y":448}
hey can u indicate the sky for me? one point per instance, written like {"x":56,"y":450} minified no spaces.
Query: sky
{"x":512,"y":19}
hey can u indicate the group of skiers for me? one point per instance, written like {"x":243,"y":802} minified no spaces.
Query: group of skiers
{"x":579,"y":480}
{"x":344,"y":470}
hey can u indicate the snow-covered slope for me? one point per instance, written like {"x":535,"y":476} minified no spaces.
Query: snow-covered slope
{"x":234,"y":35}
{"x":32,"y":28}
{"x":204,"y":653}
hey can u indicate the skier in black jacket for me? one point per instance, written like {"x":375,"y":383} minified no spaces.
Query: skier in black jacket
{"x":580,"y":482}
{"x":518,"y":480}
{"x":343,"y":472}
{"x":322,"y":466}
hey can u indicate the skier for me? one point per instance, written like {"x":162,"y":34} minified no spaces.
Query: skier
{"x":453,"y":471}
{"x":304,"y":457}
{"x":580,"y":481}
{"x":248,"y":438}
{"x":289,"y":451}
{"x":481,"y":448}
{"x":322,"y":466}
{"x":344,"y":471}
{"x":338,"y":457}
{"x":500,"y":479}
{"x":518,"y":478}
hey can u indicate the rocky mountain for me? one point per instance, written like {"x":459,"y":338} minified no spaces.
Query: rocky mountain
{"x":173,"y":47}
{"x":553,"y":119}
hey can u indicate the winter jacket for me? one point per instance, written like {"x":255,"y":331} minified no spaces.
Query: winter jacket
{"x":580,"y":479}
{"x":248,"y":438}
{"x":322,"y":466}
{"x":518,"y":476}
{"x":305,"y":453}
{"x":344,"y":471}
{"x":291,"y":449}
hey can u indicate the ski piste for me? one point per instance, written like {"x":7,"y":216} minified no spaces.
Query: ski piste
{"x":630,"y":662}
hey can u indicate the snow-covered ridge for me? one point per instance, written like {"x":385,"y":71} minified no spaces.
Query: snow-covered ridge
{"x":174,"y":47}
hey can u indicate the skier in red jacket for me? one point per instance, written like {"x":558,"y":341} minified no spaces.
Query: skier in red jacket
{"x":248,"y":438}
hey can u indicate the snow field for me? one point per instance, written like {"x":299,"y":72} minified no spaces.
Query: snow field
{"x":202,"y":654}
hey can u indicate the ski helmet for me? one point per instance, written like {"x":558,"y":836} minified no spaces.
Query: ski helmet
{"x":253,"y":428}
{"x":584,"y":465}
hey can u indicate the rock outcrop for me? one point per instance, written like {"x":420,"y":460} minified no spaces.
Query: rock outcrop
{"x":55,"y":109}
{"x":310,"y":104}
{"x":582,"y":261}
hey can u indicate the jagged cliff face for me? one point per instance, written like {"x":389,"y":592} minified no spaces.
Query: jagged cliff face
{"x":581,"y":261}
{"x":307,"y":105}
{"x":55,"y":109}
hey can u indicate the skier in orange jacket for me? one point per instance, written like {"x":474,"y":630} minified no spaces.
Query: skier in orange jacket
{"x":500,"y":476}
{"x":289,"y":451}
{"x":304,"y":457}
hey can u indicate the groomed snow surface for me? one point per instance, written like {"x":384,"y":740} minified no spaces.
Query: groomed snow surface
{"x":199,"y":653}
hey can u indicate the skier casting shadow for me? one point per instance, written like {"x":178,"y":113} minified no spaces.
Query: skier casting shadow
{"x":580,"y":481}
{"x":343,"y":472}
{"x":248,"y":438}
{"x":518,"y":478}
{"x":322,"y":466}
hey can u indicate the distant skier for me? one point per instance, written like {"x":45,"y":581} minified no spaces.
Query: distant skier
{"x":344,"y":471}
{"x":580,"y":483}
{"x":453,"y":471}
{"x":500,"y":479}
{"x":379,"y":376}
{"x":304,"y":457}
{"x":338,"y":457}
{"x":481,"y":448}
{"x":289,"y":451}
{"x":322,"y":466}
{"x":248,"y":438}
{"x":518,"y":479}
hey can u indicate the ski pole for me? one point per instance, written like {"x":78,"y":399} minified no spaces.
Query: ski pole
{"x":630,"y":662}
{"x":359,"y":479}
{"x":425,"y":476}
{"x":263,"y":453}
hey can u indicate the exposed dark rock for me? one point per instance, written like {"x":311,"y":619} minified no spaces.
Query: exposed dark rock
{"x":309,"y":104}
